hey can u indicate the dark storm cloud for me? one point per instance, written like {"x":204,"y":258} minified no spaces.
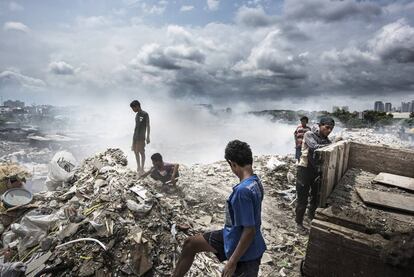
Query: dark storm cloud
{"x":169,"y":57}
{"x":328,"y":11}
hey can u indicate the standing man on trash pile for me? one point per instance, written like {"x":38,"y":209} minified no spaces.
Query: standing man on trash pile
{"x":299,"y":133}
{"x":142,"y":127}
{"x":307,"y":172}
{"x":162,"y":171}
{"x":240,"y":242}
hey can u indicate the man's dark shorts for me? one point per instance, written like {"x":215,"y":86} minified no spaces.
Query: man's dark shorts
{"x":244,"y":269}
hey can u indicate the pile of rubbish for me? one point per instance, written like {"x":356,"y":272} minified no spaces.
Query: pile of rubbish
{"x":370,"y":136}
{"x":106,"y":221}
{"x":12,"y":175}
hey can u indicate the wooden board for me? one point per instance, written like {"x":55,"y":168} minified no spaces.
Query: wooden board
{"x":387,"y":200}
{"x":336,"y":251}
{"x":346,"y":157}
{"x":395,"y":180}
{"x":333,"y":160}
{"x":376,"y":159}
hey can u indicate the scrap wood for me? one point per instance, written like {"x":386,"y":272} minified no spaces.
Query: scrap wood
{"x":27,"y":206}
{"x":387,"y":200}
{"x":395,"y":180}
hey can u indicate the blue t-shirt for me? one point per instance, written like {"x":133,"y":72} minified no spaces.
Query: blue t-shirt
{"x":243,"y":209}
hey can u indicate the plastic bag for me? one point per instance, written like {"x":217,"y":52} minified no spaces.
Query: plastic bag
{"x":12,"y":269}
{"x":33,"y":227}
{"x":274,"y":163}
{"x":61,"y":169}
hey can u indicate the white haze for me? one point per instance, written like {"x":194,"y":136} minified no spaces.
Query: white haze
{"x":183,"y":132}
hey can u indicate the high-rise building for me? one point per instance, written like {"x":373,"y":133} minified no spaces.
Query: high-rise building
{"x":345,"y":108}
{"x":412,"y":106}
{"x":379,"y":106}
{"x":405,"y":107}
{"x":388,"y":107}
{"x":335,"y":109}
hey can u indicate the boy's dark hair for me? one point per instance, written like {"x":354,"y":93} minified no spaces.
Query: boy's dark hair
{"x":304,"y":118}
{"x":238,"y":152}
{"x":135,"y":103}
{"x":326,"y":120}
{"x":156,"y":157}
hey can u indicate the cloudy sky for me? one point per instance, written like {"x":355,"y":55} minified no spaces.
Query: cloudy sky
{"x":262,"y":53}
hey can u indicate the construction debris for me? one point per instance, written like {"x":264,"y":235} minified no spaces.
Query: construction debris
{"x":106,"y":220}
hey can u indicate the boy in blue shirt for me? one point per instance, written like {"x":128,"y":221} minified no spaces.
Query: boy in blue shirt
{"x":240,"y":241}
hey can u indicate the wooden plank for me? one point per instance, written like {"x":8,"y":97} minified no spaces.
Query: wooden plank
{"x":346,"y":157}
{"x":336,"y":251}
{"x":395,"y":180}
{"x":376,"y":159}
{"x":340,"y":162}
{"x":387,"y":199}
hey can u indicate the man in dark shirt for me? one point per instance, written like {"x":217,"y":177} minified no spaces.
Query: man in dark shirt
{"x":307,"y":172}
{"x":299,"y":133}
{"x":162,"y":171}
{"x":240,"y":241}
{"x":142,"y":130}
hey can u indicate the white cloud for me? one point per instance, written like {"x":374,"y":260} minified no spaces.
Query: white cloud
{"x":61,"y":68}
{"x":157,"y":9}
{"x":15,"y":26}
{"x":213,"y":4}
{"x":186,"y":8}
{"x":271,"y":57}
{"x":395,"y":41}
{"x":93,"y":21}
{"x":15,"y":7}
{"x":253,"y":17}
{"x":13,"y":78}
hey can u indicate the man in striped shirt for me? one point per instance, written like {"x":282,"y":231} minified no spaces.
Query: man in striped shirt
{"x":299,"y":133}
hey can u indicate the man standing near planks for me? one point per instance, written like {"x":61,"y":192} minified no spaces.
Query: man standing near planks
{"x":307,"y":173}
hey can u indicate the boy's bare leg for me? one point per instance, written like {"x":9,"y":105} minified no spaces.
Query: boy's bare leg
{"x":142,"y":153}
{"x":191,"y":247}
{"x":137,"y":157}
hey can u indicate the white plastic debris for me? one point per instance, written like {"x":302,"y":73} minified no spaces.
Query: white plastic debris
{"x":274,"y":163}
{"x":61,"y":169}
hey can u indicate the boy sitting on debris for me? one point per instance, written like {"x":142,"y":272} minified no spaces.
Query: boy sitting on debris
{"x":307,"y":173}
{"x":240,"y":241}
{"x":167,"y":173}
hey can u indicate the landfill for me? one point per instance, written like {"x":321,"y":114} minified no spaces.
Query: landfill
{"x":106,"y":221}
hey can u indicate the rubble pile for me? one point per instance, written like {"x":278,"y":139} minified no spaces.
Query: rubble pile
{"x":12,"y":175}
{"x":371,"y":136}
{"x":123,"y":227}
{"x":108,"y":222}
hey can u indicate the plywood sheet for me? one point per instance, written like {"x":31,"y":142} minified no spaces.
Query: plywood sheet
{"x":387,"y":200}
{"x":395,"y":180}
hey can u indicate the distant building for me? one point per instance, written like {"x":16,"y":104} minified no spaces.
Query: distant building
{"x":379,"y":106}
{"x":412,"y":107}
{"x":335,"y":109}
{"x":14,"y":104}
{"x":401,"y":115}
{"x":405,"y":107}
{"x":360,"y":115}
{"x":4,"y":109}
{"x":388,"y":107}
{"x":345,"y":108}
